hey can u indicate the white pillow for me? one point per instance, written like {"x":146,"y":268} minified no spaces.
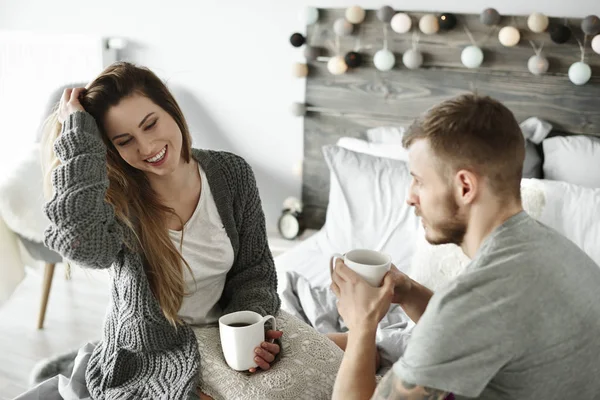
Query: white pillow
{"x":393,"y":150}
{"x":306,"y":370}
{"x":574,"y":211}
{"x":367,"y":204}
{"x":386,"y":134}
{"x":573,"y":159}
{"x":435,"y":265}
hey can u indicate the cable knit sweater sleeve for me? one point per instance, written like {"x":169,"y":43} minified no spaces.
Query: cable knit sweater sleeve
{"x":83,"y":226}
{"x":252,"y":281}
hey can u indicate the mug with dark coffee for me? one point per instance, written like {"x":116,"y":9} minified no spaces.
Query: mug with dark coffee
{"x":241,"y":332}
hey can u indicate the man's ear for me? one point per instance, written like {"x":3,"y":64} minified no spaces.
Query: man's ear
{"x":467,"y":186}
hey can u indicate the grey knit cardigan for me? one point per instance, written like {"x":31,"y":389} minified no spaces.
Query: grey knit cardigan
{"x":141,"y":355}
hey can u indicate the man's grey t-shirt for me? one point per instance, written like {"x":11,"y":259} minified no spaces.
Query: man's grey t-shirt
{"x":522,"y":322}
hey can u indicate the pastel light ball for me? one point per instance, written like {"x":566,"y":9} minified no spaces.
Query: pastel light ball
{"x":490,"y":17}
{"x":355,"y":14}
{"x":509,"y":36}
{"x":385,"y":14}
{"x":537,"y":22}
{"x":309,"y":15}
{"x":590,"y":25}
{"x":472,"y":57}
{"x":538,"y":65}
{"x":596,"y":44}
{"x":342,"y":27}
{"x":412,"y":59}
{"x":428,"y":24}
{"x":384,"y":60}
{"x":336,"y":65}
{"x":580,"y":73}
{"x":401,"y":23}
{"x":300,"y":70}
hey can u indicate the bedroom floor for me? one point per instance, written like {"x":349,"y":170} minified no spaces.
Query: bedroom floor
{"x":74,"y":316}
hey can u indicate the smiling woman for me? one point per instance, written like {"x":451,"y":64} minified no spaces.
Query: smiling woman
{"x":182,"y":229}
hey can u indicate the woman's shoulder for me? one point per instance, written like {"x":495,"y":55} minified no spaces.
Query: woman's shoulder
{"x":230,"y":163}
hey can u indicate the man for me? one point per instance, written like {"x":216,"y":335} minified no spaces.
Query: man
{"x":521,"y":322}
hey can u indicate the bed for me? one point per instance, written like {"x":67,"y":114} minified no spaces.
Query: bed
{"x":351,"y":132}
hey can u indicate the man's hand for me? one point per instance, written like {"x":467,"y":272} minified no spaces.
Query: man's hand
{"x":402,"y":285}
{"x":360,"y":305}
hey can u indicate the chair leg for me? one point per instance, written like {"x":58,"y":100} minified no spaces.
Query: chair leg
{"x":48,"y":274}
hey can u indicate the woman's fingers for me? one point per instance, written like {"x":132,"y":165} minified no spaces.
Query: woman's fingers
{"x":264,"y":355}
{"x":66,"y":95}
{"x":75,"y":95}
{"x":262,"y":363}
{"x":270,"y":347}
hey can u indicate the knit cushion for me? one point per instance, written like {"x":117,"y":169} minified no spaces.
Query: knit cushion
{"x":306,"y":370}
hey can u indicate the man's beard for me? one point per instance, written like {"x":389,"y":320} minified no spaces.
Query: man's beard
{"x":451,"y":229}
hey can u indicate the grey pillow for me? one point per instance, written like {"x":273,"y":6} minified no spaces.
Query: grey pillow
{"x":572,"y":159}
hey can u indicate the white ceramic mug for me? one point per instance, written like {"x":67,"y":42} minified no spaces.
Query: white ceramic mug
{"x":238,"y":342}
{"x":371,"y":265}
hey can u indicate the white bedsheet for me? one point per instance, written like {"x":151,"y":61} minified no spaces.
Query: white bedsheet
{"x":310,"y":259}
{"x":303,"y":285}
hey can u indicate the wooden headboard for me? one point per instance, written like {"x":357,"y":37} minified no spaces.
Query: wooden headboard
{"x":349,"y":104}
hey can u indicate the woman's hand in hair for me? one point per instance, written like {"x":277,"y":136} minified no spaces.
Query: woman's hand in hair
{"x":69,"y":103}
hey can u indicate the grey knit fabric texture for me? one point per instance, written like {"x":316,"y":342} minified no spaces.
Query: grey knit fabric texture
{"x":141,"y":355}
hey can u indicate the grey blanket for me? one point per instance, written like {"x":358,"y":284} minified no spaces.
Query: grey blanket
{"x":68,"y":382}
{"x":317,"y":307}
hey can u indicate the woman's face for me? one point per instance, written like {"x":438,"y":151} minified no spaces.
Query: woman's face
{"x":145,"y":135}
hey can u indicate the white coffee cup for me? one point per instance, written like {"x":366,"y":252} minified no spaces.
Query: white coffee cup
{"x":238,"y":342}
{"x":371,"y":265}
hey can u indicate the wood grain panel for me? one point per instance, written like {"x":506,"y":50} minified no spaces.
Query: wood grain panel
{"x":349,"y":104}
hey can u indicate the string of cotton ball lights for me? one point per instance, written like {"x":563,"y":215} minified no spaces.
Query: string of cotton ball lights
{"x":472,"y":56}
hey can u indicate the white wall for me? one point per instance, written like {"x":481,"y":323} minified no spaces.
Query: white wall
{"x":229,"y":63}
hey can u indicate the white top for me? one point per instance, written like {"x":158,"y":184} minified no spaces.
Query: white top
{"x":208,"y":251}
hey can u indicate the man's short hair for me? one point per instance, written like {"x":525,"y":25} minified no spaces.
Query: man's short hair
{"x":476,"y":133}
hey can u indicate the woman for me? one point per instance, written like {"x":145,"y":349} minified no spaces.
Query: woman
{"x":183,"y":230}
